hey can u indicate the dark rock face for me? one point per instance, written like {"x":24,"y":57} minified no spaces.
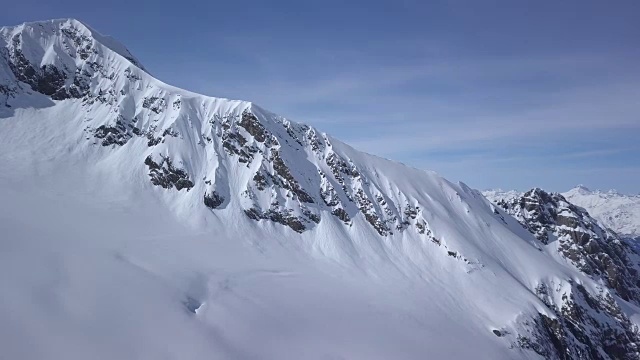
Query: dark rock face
{"x":595,"y":251}
{"x":250,"y":123}
{"x":213,"y":200}
{"x":6,"y":92}
{"x":366,"y":206}
{"x":113,"y":135}
{"x":586,"y":325}
{"x":340,"y":170}
{"x":51,"y":80}
{"x":583,"y":327}
{"x":65,"y":80}
{"x":83,"y":44}
{"x":339,"y":190}
{"x":311,"y":216}
{"x":236,"y":144}
{"x":288,"y":181}
{"x":46,"y":80}
{"x":79,"y":88}
{"x":153,"y":141}
{"x":260,"y":179}
{"x":164,"y":174}
{"x":121,"y":132}
{"x":283,"y":217}
{"x":342,"y":215}
{"x":245,"y":138}
{"x":155,"y":104}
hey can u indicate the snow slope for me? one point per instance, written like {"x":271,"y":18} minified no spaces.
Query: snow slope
{"x":143,"y":221}
{"x":619,"y":212}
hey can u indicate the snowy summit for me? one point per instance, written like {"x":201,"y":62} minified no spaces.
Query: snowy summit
{"x":616,"y":211}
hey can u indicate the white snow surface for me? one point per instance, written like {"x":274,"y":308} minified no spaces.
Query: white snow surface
{"x":99,"y":263}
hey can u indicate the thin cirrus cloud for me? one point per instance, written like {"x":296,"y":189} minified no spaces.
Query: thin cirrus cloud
{"x":571,"y":115}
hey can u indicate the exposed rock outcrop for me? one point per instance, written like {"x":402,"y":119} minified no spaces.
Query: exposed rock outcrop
{"x":166,"y":175}
{"x":595,"y":251}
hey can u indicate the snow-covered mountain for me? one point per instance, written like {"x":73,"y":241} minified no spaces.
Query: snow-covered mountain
{"x":572,"y":235}
{"x":618,"y":212}
{"x":145,"y":221}
{"x":575,"y":236}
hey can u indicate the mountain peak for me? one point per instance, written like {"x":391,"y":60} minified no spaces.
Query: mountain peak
{"x":583,"y":188}
{"x":580,"y":190}
{"x":78,"y":114}
{"x":45,"y":38}
{"x":617,"y":211}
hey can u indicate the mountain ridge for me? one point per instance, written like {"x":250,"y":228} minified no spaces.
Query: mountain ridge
{"x":616,"y":211}
{"x":96,"y":130}
{"x":83,"y":29}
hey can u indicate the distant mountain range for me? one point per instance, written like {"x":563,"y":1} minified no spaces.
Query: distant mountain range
{"x":615,"y":211}
{"x":619,"y":212}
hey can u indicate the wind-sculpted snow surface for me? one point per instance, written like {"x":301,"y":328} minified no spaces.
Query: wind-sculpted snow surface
{"x":133,"y":204}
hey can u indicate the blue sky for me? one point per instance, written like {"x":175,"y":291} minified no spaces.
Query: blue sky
{"x":509,"y":94}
